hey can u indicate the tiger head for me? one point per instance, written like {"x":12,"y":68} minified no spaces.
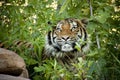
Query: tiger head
{"x":64,"y":37}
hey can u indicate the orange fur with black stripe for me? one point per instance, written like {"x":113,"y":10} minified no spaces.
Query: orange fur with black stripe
{"x":61,"y":42}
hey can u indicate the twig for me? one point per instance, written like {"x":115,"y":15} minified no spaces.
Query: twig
{"x":91,"y":9}
{"x":97,"y":40}
{"x":91,"y":14}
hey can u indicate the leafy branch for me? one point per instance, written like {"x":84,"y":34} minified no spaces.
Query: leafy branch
{"x":91,"y":14}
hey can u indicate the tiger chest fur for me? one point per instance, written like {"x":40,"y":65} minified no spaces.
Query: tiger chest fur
{"x":61,"y":42}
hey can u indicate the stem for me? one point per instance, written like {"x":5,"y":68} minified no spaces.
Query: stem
{"x":91,"y":9}
{"x":91,"y":14}
{"x":97,"y":40}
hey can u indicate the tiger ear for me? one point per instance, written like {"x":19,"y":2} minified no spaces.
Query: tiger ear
{"x":84,"y":21}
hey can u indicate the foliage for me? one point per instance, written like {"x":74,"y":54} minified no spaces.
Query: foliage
{"x":26,"y":21}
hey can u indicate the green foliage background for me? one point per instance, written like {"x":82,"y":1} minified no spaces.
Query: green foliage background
{"x":26,"y":21}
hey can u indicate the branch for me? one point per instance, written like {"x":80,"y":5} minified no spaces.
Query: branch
{"x":91,"y":9}
{"x":97,"y":40}
{"x":91,"y":14}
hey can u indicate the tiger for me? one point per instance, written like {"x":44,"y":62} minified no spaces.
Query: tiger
{"x":68,"y":39}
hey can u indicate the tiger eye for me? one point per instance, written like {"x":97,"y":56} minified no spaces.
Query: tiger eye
{"x":73,"y":29}
{"x":58,"y":29}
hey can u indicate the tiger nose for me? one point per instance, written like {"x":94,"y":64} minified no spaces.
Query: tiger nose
{"x":65,"y":38}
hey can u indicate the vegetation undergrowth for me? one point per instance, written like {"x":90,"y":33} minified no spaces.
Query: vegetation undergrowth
{"x":24,"y":24}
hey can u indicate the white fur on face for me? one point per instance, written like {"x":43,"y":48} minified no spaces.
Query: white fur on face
{"x":61,"y":47}
{"x":66,"y":48}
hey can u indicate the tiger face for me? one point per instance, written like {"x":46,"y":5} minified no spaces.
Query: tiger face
{"x":64,"y":37}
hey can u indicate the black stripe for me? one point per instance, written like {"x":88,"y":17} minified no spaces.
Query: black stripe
{"x":75,"y":50}
{"x":49,"y":38}
{"x":85,"y":37}
{"x":57,"y":48}
{"x":83,"y":45}
{"x":53,"y":36}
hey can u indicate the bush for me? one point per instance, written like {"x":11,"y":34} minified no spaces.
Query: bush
{"x":24,"y":26}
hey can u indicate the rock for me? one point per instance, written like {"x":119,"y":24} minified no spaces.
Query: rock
{"x":12,"y":64}
{"x":24,"y":73}
{"x":8,"y":77}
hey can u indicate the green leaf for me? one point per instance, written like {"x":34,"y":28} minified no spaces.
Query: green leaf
{"x":115,"y":58}
{"x":92,"y":68}
{"x":64,"y":6}
{"x":31,"y":61}
{"x":102,"y":16}
{"x":39,"y":69}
